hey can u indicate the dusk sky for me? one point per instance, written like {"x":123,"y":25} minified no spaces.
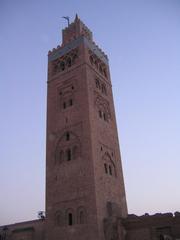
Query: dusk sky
{"x":142,"y":41}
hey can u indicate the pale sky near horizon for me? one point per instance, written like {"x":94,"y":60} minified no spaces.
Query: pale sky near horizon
{"x":142,"y":40}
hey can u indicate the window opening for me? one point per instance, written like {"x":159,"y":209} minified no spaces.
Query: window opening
{"x":105,"y":168}
{"x":68,"y":154}
{"x":97,"y":83}
{"x":69,"y":62}
{"x":104,"y":90}
{"x":96,"y":64}
{"x":70,"y":219}
{"x":59,"y":219}
{"x":67,"y":136}
{"x":100,"y":114}
{"x":91,"y":59}
{"x":70,"y":102}
{"x":81,"y":217}
{"x":104,"y":116}
{"x":64,"y":105}
{"x":100,"y":69}
{"x":110,"y":170}
{"x":62,"y":66}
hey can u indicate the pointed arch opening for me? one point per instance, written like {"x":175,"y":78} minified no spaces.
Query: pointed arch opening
{"x":81,"y":215}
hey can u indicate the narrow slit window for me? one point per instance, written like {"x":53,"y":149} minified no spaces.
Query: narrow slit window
{"x":91,"y":59}
{"x":70,"y":219}
{"x":70,"y":102}
{"x":105,"y":168}
{"x":62,"y":66}
{"x":69,"y":62}
{"x":64,"y":105}
{"x":68,"y":154}
{"x":104,"y":89}
{"x":104,"y":116}
{"x":110,"y":170}
{"x":105,"y":74}
{"x":67,"y":136}
{"x":81,"y":217}
{"x":100,"y":113}
{"x":97,"y":83}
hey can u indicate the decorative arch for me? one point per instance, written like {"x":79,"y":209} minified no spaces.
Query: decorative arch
{"x":109,"y":166}
{"x":81,"y":215}
{"x":103,"y":108}
{"x":65,"y":62}
{"x":70,"y":217}
{"x":67,"y":148}
{"x":59,"y":219}
{"x":69,"y":61}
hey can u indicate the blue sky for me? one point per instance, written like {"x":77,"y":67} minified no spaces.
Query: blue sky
{"x":142,"y":40}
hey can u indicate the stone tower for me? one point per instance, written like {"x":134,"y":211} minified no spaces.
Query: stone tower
{"x":84,"y":179}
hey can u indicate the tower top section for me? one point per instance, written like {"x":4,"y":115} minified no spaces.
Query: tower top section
{"x":74,"y":35}
{"x":75,"y":30}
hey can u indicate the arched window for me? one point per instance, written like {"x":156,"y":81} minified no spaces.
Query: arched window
{"x":91,"y":59}
{"x":68,"y":147}
{"x":58,"y":66}
{"x":100,"y":113}
{"x":110,"y":170}
{"x":105,"y":168}
{"x":68,"y":154}
{"x":96,"y":64}
{"x":109,"y":166}
{"x":70,"y":102}
{"x":59,"y":157}
{"x":67,"y":136}
{"x":59,"y":219}
{"x":104,"y":89}
{"x":104,"y":116}
{"x":62,"y":66}
{"x":69,"y":62}
{"x":64,"y":105}
{"x":70,"y":219}
{"x":97,"y":83}
{"x":105,"y":74}
{"x":81,"y":215}
{"x":100,"y":69}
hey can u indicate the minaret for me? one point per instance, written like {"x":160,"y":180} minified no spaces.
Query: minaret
{"x":83,"y":163}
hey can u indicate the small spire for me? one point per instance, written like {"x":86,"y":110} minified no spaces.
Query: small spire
{"x":76,"y":18}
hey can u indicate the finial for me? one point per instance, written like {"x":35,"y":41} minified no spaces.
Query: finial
{"x":67,"y":18}
{"x":76,"y":18}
